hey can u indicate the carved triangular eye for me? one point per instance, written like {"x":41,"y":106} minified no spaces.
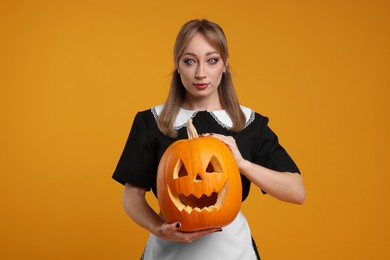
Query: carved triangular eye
{"x":214,"y":165}
{"x":180,"y":170}
{"x":183,"y":171}
{"x":210,"y":168}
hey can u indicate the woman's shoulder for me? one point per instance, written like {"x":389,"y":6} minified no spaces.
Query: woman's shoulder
{"x":145,"y":116}
{"x":150,"y":112}
{"x":249,"y":113}
{"x":249,"y":110}
{"x":253,"y":117}
{"x":156,"y":110}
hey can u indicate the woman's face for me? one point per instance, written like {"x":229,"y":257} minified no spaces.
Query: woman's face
{"x":201,"y":68}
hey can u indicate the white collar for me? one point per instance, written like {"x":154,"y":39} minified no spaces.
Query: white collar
{"x":219,"y":115}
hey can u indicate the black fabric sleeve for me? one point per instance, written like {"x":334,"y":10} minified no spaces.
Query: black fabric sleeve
{"x":137,"y":164}
{"x":271,"y":154}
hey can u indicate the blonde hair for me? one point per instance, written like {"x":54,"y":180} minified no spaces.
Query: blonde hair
{"x":227,"y":95}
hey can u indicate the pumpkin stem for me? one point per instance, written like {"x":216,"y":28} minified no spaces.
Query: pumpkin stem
{"x":191,"y":130}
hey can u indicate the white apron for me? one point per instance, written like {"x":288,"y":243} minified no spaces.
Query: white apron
{"x":233,"y":243}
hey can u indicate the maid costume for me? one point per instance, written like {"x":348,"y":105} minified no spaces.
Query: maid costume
{"x":144,"y":148}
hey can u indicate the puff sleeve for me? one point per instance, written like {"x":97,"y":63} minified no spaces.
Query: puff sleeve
{"x":271,"y":154}
{"x":137,"y":164}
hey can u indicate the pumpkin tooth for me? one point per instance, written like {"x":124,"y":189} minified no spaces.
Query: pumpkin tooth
{"x":198,"y":209}
{"x":198,"y":195}
{"x":188,"y":209}
{"x":209,"y":209}
{"x":186,"y":193}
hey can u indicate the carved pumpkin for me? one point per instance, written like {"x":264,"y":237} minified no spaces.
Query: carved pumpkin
{"x":198,"y":183}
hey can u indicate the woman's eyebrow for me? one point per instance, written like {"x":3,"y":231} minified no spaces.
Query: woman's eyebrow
{"x":207,"y":54}
{"x":189,"y":53}
{"x":211,"y":53}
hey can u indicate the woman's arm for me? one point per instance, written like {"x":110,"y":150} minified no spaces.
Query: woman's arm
{"x":285,"y":186}
{"x":137,"y":208}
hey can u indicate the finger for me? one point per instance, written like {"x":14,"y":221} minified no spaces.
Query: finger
{"x":191,"y":236}
{"x":228,"y":140}
{"x":171,"y":228}
{"x":206,"y":232}
{"x":219,"y":136}
{"x":223,"y":137}
{"x":176,"y":226}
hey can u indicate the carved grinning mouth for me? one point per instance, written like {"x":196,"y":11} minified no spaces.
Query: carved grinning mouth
{"x":191,"y":202}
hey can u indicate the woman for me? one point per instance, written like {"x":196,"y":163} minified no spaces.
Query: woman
{"x":202,"y":89}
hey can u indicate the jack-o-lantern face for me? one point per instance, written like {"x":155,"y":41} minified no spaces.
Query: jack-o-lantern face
{"x":202,"y":195}
{"x":199,"y":184}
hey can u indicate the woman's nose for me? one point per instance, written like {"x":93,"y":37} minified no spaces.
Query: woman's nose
{"x":200,"y":72}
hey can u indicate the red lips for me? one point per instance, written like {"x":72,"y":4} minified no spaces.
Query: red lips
{"x":201,"y":85}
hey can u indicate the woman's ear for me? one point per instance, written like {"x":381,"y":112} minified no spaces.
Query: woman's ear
{"x":226,"y":65}
{"x":226,"y":68}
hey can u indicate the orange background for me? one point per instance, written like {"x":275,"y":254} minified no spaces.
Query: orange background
{"x":74,"y":73}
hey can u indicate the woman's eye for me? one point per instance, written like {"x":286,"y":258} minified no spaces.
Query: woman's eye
{"x":213,"y":60}
{"x":189,"y":62}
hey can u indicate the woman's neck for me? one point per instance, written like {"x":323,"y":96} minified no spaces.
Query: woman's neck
{"x":202,"y":104}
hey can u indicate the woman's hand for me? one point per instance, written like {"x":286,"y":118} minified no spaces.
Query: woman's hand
{"x":172,"y":232}
{"x":285,"y":186}
{"x":230,"y":142}
{"x":140,"y":212}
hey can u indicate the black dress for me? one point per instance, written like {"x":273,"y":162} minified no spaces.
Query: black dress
{"x":146,"y":144}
